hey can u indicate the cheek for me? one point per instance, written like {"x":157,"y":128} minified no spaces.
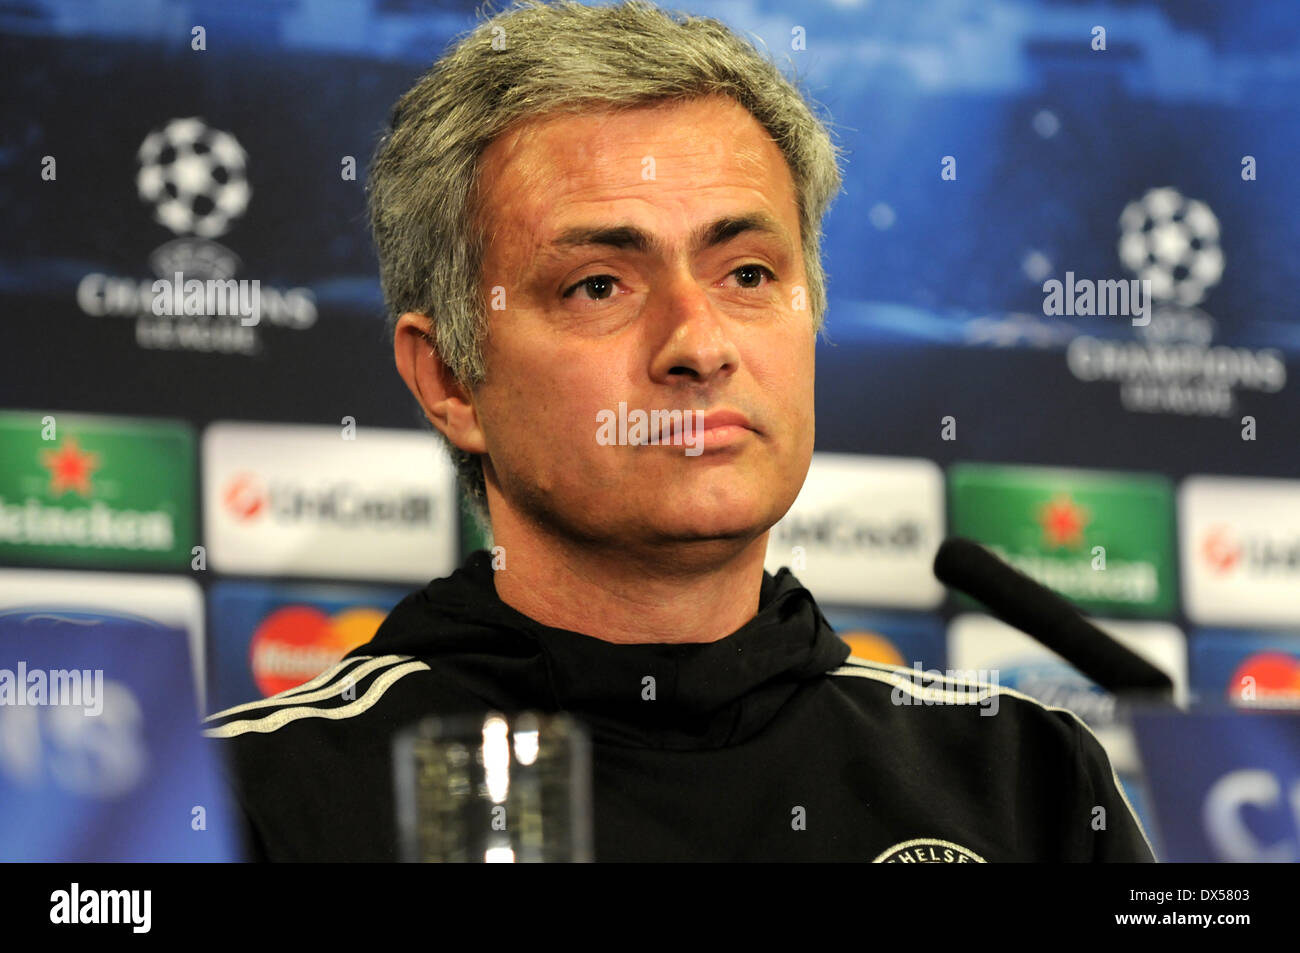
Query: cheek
{"x":786,"y":374}
{"x":808,"y":370}
{"x":546,"y":404}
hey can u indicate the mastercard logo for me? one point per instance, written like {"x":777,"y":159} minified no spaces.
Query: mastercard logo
{"x":296,"y":643}
{"x":1266,"y":679}
{"x":873,"y":647}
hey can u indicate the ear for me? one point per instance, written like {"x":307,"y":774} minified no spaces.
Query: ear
{"x":446,"y":402}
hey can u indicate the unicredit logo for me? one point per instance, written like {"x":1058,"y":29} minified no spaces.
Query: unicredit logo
{"x":1258,"y":555}
{"x":244,"y":497}
{"x":837,"y":529}
{"x":1220,"y":550}
{"x":343,"y":503}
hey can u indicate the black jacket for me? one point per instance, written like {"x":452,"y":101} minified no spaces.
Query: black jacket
{"x":741,"y":733}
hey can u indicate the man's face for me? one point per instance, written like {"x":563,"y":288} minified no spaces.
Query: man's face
{"x":665,"y":311}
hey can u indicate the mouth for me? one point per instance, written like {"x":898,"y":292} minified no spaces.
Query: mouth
{"x":723,"y":420}
{"x":712,"y":430}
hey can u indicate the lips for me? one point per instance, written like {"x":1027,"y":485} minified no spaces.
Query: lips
{"x":725,"y":418}
{"x":714,"y":423}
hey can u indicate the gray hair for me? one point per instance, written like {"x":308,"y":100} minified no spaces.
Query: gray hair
{"x":535,"y":59}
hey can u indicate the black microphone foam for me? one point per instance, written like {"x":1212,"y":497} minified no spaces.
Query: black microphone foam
{"x":1042,"y":614}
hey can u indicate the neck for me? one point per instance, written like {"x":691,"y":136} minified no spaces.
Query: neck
{"x":696,"y":591}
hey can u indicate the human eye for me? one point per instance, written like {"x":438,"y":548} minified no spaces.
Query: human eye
{"x":753,"y":275}
{"x":599,"y":287}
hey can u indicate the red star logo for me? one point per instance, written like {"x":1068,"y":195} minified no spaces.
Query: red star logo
{"x":1063,"y":522}
{"x":70,"y":468}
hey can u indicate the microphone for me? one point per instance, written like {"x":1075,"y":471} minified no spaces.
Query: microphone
{"x":1034,"y":609}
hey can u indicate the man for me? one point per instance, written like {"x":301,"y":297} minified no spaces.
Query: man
{"x":581,"y":211}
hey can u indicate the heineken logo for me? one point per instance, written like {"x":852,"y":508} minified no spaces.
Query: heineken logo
{"x":1063,"y":522}
{"x":99,"y":525}
{"x":1121,"y":582}
{"x":1102,"y":539}
{"x":86,"y":489}
{"x":70,"y":468}
{"x":96,"y":525}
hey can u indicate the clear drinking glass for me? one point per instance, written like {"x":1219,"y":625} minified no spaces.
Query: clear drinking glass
{"x":494,"y":789}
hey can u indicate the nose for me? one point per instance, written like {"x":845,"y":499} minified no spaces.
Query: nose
{"x":694,"y":338}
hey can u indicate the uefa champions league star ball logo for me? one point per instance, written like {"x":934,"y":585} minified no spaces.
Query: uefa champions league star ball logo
{"x":1174,"y":242}
{"x":194,"y":176}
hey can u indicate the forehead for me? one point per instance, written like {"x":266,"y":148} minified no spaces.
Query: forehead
{"x":671,"y":155}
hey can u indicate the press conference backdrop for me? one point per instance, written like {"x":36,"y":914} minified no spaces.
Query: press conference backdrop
{"x":1009,"y":164}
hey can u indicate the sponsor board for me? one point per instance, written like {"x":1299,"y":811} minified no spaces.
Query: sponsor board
{"x":1245,"y":669}
{"x":982,"y":642}
{"x":1224,"y":785}
{"x":864,"y":530}
{"x":1102,"y":540}
{"x":175,"y":602}
{"x":268,"y":638}
{"x":894,"y":638}
{"x":85,"y":490}
{"x":130,"y":780}
{"x":1240,"y":550}
{"x":306,"y":501}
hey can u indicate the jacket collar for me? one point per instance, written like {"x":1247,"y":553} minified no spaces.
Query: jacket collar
{"x":682,"y":696}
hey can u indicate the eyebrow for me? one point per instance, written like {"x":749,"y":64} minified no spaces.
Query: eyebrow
{"x":629,"y":237}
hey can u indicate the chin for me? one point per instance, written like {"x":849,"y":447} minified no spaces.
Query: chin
{"x":704,"y":520}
